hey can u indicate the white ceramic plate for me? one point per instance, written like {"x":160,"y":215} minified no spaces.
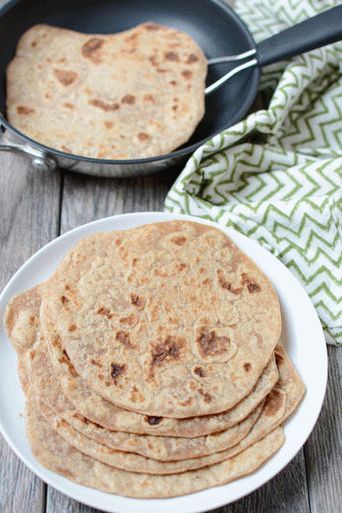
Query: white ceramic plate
{"x":304,"y":342}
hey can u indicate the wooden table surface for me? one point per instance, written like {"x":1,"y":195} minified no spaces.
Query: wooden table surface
{"x":36,"y":207}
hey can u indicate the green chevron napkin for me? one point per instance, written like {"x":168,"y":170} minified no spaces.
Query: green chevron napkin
{"x":277,"y":175}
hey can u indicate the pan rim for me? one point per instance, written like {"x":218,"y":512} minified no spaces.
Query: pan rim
{"x":253,"y":88}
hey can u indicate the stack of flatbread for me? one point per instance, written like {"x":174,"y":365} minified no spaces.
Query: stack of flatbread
{"x":138,"y":93}
{"x":152,"y":364}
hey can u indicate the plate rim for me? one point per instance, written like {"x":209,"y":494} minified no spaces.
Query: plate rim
{"x":62,"y":485}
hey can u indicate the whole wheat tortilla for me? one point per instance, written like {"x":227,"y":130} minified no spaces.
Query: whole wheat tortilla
{"x":168,"y":319}
{"x":290,"y":391}
{"x":92,"y":406}
{"x":156,"y":447}
{"x":273,"y":412}
{"x":56,"y":454}
{"x":22,"y":322}
{"x":138,"y":93}
{"x":280,"y":404}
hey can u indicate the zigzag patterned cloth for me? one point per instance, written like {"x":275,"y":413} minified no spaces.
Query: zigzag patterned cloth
{"x":284,"y":186}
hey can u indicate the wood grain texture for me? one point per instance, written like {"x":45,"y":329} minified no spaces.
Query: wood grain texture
{"x":57,"y":502}
{"x":323,"y":451}
{"x":274,"y":497}
{"x":86,"y":198}
{"x":29,"y":210}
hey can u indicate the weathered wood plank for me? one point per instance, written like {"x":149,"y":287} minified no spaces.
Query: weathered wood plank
{"x":86,"y":198}
{"x":285,"y":493}
{"x":29,"y":210}
{"x":57,"y":502}
{"x":323,"y":451}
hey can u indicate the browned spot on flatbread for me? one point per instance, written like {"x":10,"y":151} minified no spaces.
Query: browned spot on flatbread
{"x":105,"y":312}
{"x":23,"y":110}
{"x":181,"y":266}
{"x":72,"y":327}
{"x":138,"y":301}
{"x":162,"y":70}
{"x":172,"y":56}
{"x":252,"y":286}
{"x":279,"y":359}
{"x":226,"y":284}
{"x":123,"y":337}
{"x":187,"y":402}
{"x":207,"y":397}
{"x":174,"y":108}
{"x":65,"y":472}
{"x":33,"y":354}
{"x":33,"y":44}
{"x":64,"y":300}
{"x":247,"y":366}
{"x":116,"y":370}
{"x":152,"y":26}
{"x":129,"y":320}
{"x":143,"y":136}
{"x":107,"y":107}
{"x":210,"y":344}
{"x":108,"y":124}
{"x":87,"y":421}
{"x":66,"y":149}
{"x":33,"y":320}
{"x":131,"y":38}
{"x":187,"y":74}
{"x":192,"y":58}
{"x":96,"y":362}
{"x":65,"y":77}
{"x":153,"y":421}
{"x":200,"y":371}
{"x":173,"y":82}
{"x":66,"y":360}
{"x":273,"y":403}
{"x":136,"y":395}
{"x":153,"y":60}
{"x":179,"y":241}
{"x":91,"y":49}
{"x":149,"y":98}
{"x":169,"y":349}
{"x":128,"y":99}
{"x":68,"y":105}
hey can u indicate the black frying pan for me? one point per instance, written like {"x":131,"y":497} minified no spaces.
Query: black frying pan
{"x":215,"y":27}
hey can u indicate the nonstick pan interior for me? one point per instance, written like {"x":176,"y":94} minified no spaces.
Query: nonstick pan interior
{"x":211,"y":23}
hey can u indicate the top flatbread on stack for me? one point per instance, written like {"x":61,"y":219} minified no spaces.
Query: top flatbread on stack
{"x":138,"y":93}
{"x":171,"y":312}
{"x":169,"y":319}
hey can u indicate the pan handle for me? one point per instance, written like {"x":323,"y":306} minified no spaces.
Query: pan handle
{"x":320,"y":30}
{"x":40,"y":159}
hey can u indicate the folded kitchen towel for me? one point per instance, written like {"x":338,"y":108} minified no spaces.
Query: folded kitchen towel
{"x":276,"y":176}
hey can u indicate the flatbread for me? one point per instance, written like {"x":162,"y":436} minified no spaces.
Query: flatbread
{"x":22,"y":322}
{"x":59,"y":456}
{"x":273,"y":412}
{"x":138,"y":93}
{"x":157,"y":447}
{"x":169,"y":319}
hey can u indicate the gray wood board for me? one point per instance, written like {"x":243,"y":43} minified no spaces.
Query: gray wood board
{"x":29,"y":212}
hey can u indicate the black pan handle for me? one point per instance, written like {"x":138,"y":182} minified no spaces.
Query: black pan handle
{"x":320,"y":30}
